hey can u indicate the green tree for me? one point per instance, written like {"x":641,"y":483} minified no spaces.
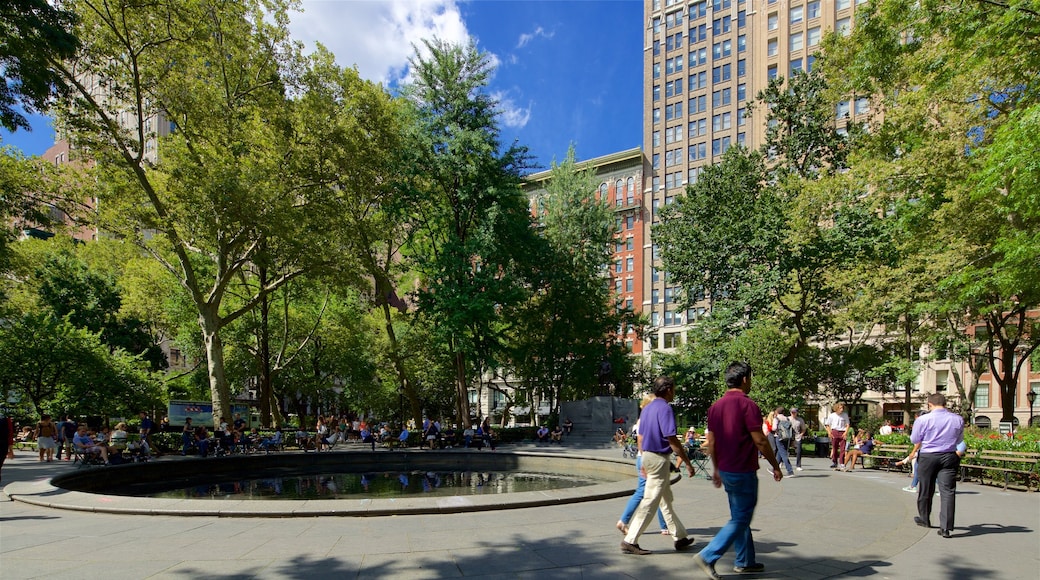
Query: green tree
{"x":957,"y":89}
{"x":561,"y":334}
{"x":468,"y":214}
{"x":227,"y":190}
{"x":32,"y":34}
{"x":56,"y":367}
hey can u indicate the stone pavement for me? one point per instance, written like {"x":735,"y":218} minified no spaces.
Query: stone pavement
{"x":820,"y":524}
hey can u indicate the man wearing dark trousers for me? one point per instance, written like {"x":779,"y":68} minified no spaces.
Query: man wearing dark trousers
{"x":935,"y":437}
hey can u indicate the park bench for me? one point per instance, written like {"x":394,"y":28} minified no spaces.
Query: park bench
{"x":991,"y":463}
{"x":886,"y":455}
{"x":24,"y":445}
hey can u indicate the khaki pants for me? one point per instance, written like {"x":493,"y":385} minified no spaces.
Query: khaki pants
{"x":658,"y":493}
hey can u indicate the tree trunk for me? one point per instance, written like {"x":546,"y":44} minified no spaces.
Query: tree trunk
{"x":461,"y":388}
{"x":218,"y":387}
{"x":264,"y":336}
{"x":402,"y":376}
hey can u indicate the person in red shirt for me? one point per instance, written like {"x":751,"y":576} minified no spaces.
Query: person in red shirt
{"x":735,"y":439}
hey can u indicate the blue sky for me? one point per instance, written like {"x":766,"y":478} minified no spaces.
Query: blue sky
{"x":568,"y":71}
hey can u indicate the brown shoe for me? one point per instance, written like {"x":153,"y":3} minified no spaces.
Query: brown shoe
{"x":627,"y":548}
{"x":684,"y":543}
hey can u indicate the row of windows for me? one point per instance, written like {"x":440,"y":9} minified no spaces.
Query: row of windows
{"x":675,"y":179}
{"x":626,"y":245}
{"x":797,"y":41}
{"x":699,"y":104}
{"x":699,"y":56}
{"x":624,"y":191}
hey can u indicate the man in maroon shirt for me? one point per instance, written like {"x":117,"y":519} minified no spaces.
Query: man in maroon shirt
{"x":735,"y":439}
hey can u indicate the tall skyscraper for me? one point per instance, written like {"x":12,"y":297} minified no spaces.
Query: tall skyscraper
{"x":703,"y":62}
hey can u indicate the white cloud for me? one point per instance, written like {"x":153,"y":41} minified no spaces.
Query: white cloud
{"x":512,"y":115}
{"x":528,"y":37}
{"x":377,"y":37}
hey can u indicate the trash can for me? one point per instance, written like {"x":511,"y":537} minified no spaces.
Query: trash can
{"x":823,"y":447}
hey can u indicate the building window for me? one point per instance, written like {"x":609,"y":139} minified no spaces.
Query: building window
{"x":698,"y":128}
{"x":809,"y":62}
{"x":628,"y":287}
{"x":721,"y":25}
{"x":655,"y":161}
{"x":698,"y":151}
{"x":862,"y":106}
{"x":797,"y":41}
{"x":603,"y":191}
{"x":657,"y":115}
{"x":657,"y":92}
{"x":673,"y":111}
{"x":742,"y":43}
{"x":941,"y":380}
{"x":630,"y":243}
{"x":843,"y":4}
{"x":773,"y":21}
{"x":771,"y":72}
{"x":656,"y":183}
{"x":655,"y":275}
{"x":741,"y":117}
{"x":630,"y":191}
{"x":698,"y":80}
{"x":617,"y":266}
{"x":656,"y":138}
{"x":796,"y":14}
{"x":655,"y":296}
{"x":812,"y":9}
{"x":672,"y":340}
{"x":698,"y":9}
{"x":698,"y":104}
{"x":843,"y":26}
{"x":813,"y":36}
{"x":721,"y":73}
{"x":657,"y":70}
{"x":741,"y":92}
{"x":842,"y":110}
{"x":721,"y":121}
{"x":722,"y":49}
{"x":673,"y":88}
{"x":655,"y":320}
{"x":721,"y":97}
{"x":629,"y":262}
{"x":742,"y":19}
{"x":720,"y":145}
{"x":698,"y":57}
{"x":982,"y":396}
{"x":741,"y":68}
{"x":796,"y":65}
{"x":630,"y":222}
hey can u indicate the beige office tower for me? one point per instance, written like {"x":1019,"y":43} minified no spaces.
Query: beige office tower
{"x":703,"y":62}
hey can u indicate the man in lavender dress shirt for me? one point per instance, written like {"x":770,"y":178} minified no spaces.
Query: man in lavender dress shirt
{"x":935,"y":437}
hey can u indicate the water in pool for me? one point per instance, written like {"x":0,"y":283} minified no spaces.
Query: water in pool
{"x":363,"y":485}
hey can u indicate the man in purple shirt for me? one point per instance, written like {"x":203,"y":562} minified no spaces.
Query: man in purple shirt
{"x":735,"y":439}
{"x":657,"y":440}
{"x":935,"y":438}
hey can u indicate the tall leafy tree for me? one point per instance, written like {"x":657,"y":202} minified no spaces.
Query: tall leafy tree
{"x":957,"y":85}
{"x":227,"y":191}
{"x":469,"y":217}
{"x":568,"y":325}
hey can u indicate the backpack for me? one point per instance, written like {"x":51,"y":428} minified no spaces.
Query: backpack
{"x":784,"y":431}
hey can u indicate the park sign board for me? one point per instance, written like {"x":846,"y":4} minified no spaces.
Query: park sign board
{"x":200,"y":412}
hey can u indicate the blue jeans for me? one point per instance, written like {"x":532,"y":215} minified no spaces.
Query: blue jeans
{"x":633,"y":502}
{"x":742,"y":490}
{"x":782,"y":457}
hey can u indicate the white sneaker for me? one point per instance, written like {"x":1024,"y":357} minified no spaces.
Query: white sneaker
{"x":910,"y":489}
{"x":797,"y":468}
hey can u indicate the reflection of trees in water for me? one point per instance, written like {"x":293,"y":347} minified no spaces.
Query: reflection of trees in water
{"x":391,"y":484}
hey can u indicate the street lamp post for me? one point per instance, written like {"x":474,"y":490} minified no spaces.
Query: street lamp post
{"x":1031,"y":397}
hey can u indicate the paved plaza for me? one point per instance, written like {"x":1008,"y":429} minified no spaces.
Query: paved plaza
{"x":820,"y":524}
